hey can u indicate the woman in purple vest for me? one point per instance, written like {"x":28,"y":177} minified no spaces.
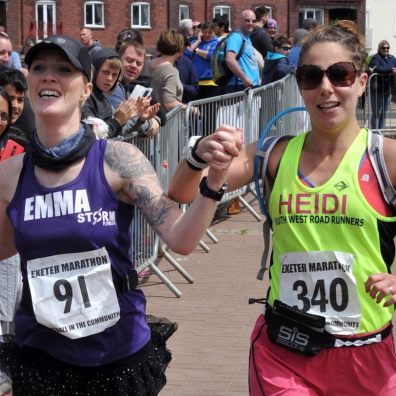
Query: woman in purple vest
{"x":66,"y":208}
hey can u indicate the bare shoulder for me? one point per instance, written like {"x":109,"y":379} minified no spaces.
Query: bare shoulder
{"x":126,"y":160}
{"x":390,"y":158}
{"x":9,"y":176}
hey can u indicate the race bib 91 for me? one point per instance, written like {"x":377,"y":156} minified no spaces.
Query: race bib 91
{"x":73,"y":294}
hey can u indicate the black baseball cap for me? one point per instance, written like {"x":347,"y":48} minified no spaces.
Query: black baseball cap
{"x":75,"y":52}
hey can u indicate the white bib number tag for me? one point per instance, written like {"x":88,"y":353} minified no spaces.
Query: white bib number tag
{"x":73,"y":294}
{"x":322,"y":283}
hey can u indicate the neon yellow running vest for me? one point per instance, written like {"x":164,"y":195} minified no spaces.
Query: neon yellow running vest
{"x":327,"y":240}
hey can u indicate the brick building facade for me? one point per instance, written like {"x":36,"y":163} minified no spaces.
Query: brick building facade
{"x":38,"y":18}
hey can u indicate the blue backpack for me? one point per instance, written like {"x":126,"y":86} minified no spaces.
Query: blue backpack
{"x":221,"y":74}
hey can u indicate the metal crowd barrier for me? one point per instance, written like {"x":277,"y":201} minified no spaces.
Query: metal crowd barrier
{"x":250,"y":110}
{"x":379,"y":109}
{"x":203,"y":116}
{"x":162,"y":152}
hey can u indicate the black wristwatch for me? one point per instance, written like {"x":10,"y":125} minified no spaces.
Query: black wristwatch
{"x":209,"y":193}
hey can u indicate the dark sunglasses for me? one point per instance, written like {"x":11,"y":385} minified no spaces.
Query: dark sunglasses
{"x":125,"y":36}
{"x":286,"y":48}
{"x":385,"y":48}
{"x":340,"y":74}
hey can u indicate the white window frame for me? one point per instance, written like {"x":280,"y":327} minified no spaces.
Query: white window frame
{"x":186,"y":9}
{"x":222,"y":8}
{"x":139,"y":25}
{"x":93,"y":5}
{"x":314,"y":11}
{"x":46,"y":4}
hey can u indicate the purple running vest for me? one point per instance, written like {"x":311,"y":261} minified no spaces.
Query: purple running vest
{"x":42,"y":232}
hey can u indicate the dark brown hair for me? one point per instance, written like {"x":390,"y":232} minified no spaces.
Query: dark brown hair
{"x":344,"y":33}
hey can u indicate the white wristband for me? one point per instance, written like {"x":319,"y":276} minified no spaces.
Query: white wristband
{"x":188,"y":154}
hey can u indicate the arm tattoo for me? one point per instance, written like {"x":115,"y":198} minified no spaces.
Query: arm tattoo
{"x":121,"y":160}
{"x":156,"y":211}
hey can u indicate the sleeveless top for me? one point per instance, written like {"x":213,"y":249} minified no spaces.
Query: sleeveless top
{"x":67,"y":237}
{"x":327,"y":240}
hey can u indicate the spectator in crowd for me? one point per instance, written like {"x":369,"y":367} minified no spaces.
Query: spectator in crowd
{"x":197,"y":30}
{"x":310,"y":24}
{"x":88,"y":41}
{"x":165,"y":77}
{"x":29,"y":42}
{"x":128,"y":34}
{"x":186,"y":29}
{"x":188,"y":76}
{"x":245,"y":69}
{"x":277,"y":63}
{"x":260,"y":37}
{"x":22,"y":121}
{"x":133,"y":55}
{"x":201,"y":57}
{"x":298,"y":38}
{"x":346,"y":345}
{"x":384,"y":64}
{"x":107,"y":72}
{"x":5,"y":49}
{"x":86,"y":192}
{"x":221,"y":27}
{"x":272,"y":28}
{"x":10,"y":274}
{"x":5,"y":117}
{"x":15,"y":60}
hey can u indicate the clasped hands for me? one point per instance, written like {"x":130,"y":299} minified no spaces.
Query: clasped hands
{"x":220,"y":148}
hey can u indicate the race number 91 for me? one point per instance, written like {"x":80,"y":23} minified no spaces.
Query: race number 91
{"x":63,"y":291}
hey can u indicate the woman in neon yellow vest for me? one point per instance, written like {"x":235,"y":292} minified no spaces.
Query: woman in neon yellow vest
{"x":326,"y":329}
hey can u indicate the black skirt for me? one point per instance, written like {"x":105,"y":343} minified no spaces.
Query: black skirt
{"x":35,"y":373}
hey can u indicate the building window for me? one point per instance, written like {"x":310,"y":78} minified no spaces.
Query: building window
{"x":94,"y":14}
{"x":223,"y":11}
{"x":315,"y":13}
{"x":140,"y":15}
{"x":184,"y":12}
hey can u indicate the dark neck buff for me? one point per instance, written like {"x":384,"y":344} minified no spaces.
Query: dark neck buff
{"x":69,"y":151}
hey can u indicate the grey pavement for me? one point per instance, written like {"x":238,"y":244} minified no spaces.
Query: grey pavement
{"x":211,"y":346}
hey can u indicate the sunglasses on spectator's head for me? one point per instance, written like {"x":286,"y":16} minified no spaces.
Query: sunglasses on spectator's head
{"x":385,"y":48}
{"x":340,"y":74}
{"x":124,"y":36}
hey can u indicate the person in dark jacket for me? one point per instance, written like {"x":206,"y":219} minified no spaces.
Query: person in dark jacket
{"x":277,"y":63}
{"x":260,"y":38}
{"x":107,"y":66}
{"x":188,"y":76}
{"x":22,"y":121}
{"x":132,"y":55}
{"x":384,"y":64}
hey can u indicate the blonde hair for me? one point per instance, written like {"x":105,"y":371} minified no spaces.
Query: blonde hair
{"x":381,"y":43}
{"x":135,"y":44}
